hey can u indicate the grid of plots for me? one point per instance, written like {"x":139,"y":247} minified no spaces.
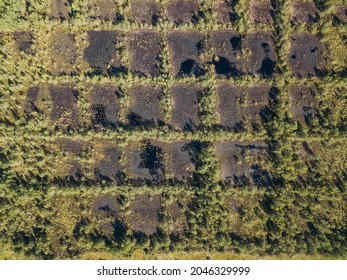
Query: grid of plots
{"x":150,"y":99}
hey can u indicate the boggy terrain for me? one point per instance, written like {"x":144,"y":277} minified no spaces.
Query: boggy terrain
{"x":151,"y":129}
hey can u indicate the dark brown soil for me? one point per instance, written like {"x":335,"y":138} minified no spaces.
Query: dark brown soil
{"x":101,"y":52}
{"x":304,"y":13}
{"x":185,"y":108}
{"x":225,"y":12}
{"x":144,"y":11}
{"x":104,"y":105}
{"x":258,"y":99}
{"x":146,"y":162}
{"x":229,"y":109}
{"x":236,"y":169}
{"x":107,"y":206}
{"x":182,"y":11}
{"x":25,"y":40}
{"x":64,"y":52}
{"x":236,"y":105}
{"x":145,"y":213}
{"x":30,"y":101}
{"x":109,"y":167}
{"x":185,"y":48}
{"x":262,"y":60}
{"x":105,"y":9}
{"x":144,"y":48}
{"x":181,"y":155}
{"x":226,"y":46}
{"x":303,"y":105}
{"x":59,"y":9}
{"x":340,"y":17}
{"x":64,"y":104}
{"x":261,"y":12}
{"x":305,"y":55}
{"x":145,"y":106}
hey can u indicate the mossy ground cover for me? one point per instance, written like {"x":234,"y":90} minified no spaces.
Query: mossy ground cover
{"x":173,"y":129}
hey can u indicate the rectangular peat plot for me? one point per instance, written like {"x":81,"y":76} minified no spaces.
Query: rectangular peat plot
{"x":229,"y":109}
{"x":226,"y":46}
{"x":104,"y":105}
{"x":144,"y":11}
{"x":64,"y":111}
{"x":144,"y":161}
{"x":102,"y":52}
{"x":241,"y":163}
{"x":225,"y":11}
{"x":185,"y":48}
{"x":306,"y":55}
{"x":262,"y":59}
{"x":63,"y":53}
{"x":257,"y":104}
{"x":261,"y":12}
{"x":108,"y":215}
{"x":25,"y":41}
{"x":144,"y":49}
{"x":144,"y":218}
{"x":68,"y":165}
{"x":56,"y":103}
{"x":239,"y":108}
{"x":35,"y":101}
{"x":145,"y":109}
{"x":108,"y":165}
{"x":303,"y":104}
{"x":305,"y":12}
{"x":105,"y":10}
{"x":182,"y":159}
{"x":60,"y":9}
{"x":183,"y":11}
{"x":185,"y":107}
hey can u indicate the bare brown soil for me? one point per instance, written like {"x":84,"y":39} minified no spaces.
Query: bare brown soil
{"x":185,"y":109}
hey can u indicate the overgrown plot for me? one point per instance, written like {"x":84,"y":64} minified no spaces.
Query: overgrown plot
{"x":67,"y":164}
{"x":59,"y":9}
{"x":240,"y":163}
{"x":105,"y":10}
{"x":303,"y":104}
{"x":63,"y":53}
